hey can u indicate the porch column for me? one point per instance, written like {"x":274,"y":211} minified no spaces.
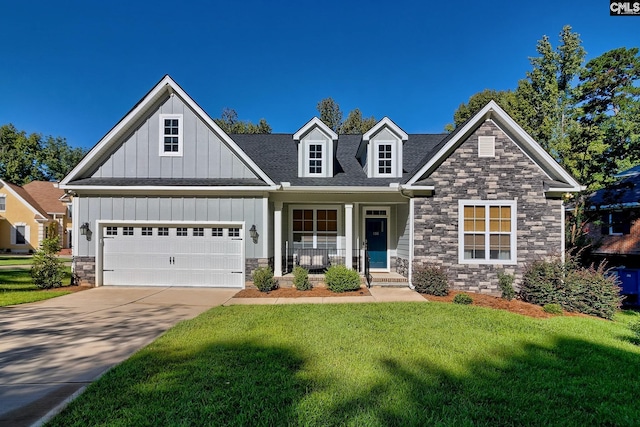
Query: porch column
{"x":348,"y":234}
{"x":277,"y":239}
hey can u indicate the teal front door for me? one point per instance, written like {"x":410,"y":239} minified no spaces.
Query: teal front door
{"x":376,"y":234}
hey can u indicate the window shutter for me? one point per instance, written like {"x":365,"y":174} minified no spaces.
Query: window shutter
{"x":27,"y":234}
{"x":486,"y":146}
{"x":13,"y":235}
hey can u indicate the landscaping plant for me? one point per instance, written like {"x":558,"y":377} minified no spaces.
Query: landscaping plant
{"x":263,"y":279}
{"x":339,"y":278}
{"x":505,"y":281}
{"x":635,"y":328}
{"x":463,"y":298}
{"x":301,"y":278}
{"x":587,"y":290}
{"x":431,"y":280}
{"x":552,"y":308}
{"x":47,"y":271}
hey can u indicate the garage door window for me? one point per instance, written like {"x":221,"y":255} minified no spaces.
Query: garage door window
{"x":147,"y":231}
{"x":127,"y":231}
{"x":163,"y":231}
{"x":198,"y":232}
{"x":181,"y":232}
{"x":234,"y":232}
{"x":111,"y":231}
{"x":216,"y":232}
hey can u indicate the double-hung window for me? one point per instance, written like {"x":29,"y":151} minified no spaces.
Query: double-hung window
{"x":171,"y":134}
{"x":316,"y":157}
{"x":487,"y":232}
{"x":315,"y":228}
{"x":3,"y":203}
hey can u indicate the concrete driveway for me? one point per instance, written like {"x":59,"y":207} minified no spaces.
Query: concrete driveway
{"x":50,"y":350}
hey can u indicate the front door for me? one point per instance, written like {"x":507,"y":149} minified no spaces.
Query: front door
{"x":376,"y":233}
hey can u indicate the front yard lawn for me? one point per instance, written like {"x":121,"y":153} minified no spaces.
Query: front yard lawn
{"x":392,"y":364}
{"x":16,"y":287}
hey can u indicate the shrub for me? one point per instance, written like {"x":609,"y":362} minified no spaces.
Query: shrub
{"x":462,"y":299}
{"x":339,"y":278}
{"x":47,"y":271}
{"x":585,"y":290}
{"x":552,"y":308}
{"x":635,"y":328}
{"x":432,"y":280}
{"x":505,"y":281}
{"x":263,"y":279}
{"x":542,"y":282}
{"x":301,"y":278}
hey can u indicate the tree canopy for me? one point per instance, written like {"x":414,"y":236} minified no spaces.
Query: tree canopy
{"x":230,"y":123}
{"x":331,"y":115}
{"x":25,"y":158}
{"x":587,"y":116}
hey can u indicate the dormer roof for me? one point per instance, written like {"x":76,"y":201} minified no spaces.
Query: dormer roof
{"x":315,"y":123}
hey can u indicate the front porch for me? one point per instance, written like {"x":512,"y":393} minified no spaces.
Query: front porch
{"x":377,"y":279}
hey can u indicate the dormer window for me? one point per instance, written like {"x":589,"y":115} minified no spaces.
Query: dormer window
{"x":316,"y":144}
{"x":380,"y":152}
{"x":171,"y":134}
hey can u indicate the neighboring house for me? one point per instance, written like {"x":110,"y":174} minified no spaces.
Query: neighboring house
{"x":167,"y":198}
{"x":26,"y":212}
{"x":615,"y":233}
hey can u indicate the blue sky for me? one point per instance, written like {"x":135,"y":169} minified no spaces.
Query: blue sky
{"x":74,"y":68}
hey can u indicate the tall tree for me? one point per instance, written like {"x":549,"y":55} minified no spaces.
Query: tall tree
{"x":330,"y":113}
{"x":230,"y":123}
{"x":356,"y":124}
{"x":506,"y":100}
{"x":25,"y":158}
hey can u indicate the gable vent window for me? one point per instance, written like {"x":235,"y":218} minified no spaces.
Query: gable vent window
{"x":171,"y":134}
{"x":486,"y":146}
{"x":384,"y":159}
{"x":315,"y":159}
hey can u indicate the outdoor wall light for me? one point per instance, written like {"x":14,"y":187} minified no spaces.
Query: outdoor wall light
{"x":254,"y":233}
{"x":84,"y":229}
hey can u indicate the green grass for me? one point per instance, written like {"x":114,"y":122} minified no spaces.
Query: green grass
{"x":397,"y":364}
{"x":23,"y":260}
{"x":16,"y":287}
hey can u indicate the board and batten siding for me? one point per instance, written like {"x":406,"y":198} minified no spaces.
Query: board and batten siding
{"x":131,"y":208}
{"x":403,"y":230}
{"x":205,"y":155}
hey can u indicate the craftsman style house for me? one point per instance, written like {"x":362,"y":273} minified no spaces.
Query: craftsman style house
{"x":167,"y":198}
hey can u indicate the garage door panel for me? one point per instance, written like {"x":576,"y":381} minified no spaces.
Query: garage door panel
{"x":201,"y":258}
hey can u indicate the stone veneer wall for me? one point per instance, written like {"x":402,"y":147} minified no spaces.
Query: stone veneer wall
{"x":402,"y":266}
{"x":84,"y":268}
{"x":253,"y":263}
{"x":510,"y":175}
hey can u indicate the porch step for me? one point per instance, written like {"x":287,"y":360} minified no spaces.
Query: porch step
{"x":404,"y":284}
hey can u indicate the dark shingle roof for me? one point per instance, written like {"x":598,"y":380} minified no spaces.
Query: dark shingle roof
{"x":625,"y":191}
{"x":181,"y":182}
{"x":277,"y":156}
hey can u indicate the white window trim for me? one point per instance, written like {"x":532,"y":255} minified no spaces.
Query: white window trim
{"x":340,"y":232}
{"x":513,"y":235}
{"x":386,"y":215}
{"x":14,"y":234}
{"x":376,"y":158}
{"x":180,"y":135}
{"x":610,"y":231}
{"x":307,"y":157}
{"x":4,"y":197}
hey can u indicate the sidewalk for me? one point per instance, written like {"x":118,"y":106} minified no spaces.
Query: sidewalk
{"x":378,"y":294}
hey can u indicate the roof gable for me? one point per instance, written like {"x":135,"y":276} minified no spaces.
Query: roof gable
{"x":24,"y":197}
{"x":126,"y":142}
{"x":315,"y":123}
{"x":522,"y":139}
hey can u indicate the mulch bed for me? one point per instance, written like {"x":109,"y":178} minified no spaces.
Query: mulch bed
{"x":316,"y":291}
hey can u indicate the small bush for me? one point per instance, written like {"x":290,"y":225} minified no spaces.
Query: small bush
{"x":542,"y":282}
{"x":505,"y":281}
{"x":339,"y":278}
{"x":432,"y":280}
{"x":552,"y":308}
{"x":301,"y":278}
{"x":462,"y":299}
{"x":635,"y":328}
{"x":47,"y":271}
{"x":263,"y":279}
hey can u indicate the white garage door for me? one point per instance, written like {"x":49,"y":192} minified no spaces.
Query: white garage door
{"x":149,"y":255}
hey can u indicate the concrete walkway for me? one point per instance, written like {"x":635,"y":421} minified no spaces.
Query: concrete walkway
{"x":378,"y":294}
{"x":51,"y":350}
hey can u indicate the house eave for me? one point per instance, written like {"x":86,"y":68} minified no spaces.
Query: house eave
{"x":167,"y":188}
{"x":338,"y":189}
